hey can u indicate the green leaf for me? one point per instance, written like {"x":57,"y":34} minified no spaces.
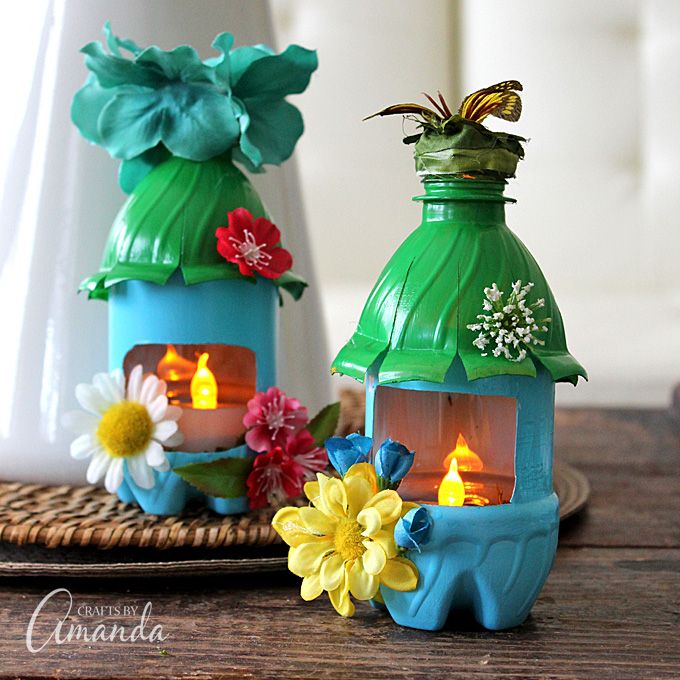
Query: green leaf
{"x":324,"y":424}
{"x":223,"y":478}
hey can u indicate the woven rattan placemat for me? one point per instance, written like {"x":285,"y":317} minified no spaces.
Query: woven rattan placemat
{"x":85,"y":531}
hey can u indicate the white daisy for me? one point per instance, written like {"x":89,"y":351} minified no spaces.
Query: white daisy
{"x":120,"y":426}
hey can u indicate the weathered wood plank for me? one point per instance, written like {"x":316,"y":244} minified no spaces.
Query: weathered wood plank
{"x":610,"y":609}
{"x":605,"y":613}
{"x":632,"y":460}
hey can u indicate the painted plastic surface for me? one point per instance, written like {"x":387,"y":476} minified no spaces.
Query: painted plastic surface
{"x":491,"y":560}
{"x":168,"y":225}
{"x":171,"y":493}
{"x":416,"y":317}
{"x":232,"y":312}
{"x":143,"y":104}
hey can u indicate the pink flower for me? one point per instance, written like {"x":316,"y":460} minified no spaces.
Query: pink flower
{"x":309,"y":457}
{"x":253,"y":244}
{"x":275,"y":477}
{"x":272,"y":418}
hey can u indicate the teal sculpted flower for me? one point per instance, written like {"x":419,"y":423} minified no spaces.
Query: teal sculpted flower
{"x":154,"y":104}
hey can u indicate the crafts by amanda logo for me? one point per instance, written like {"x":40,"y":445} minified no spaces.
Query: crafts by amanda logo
{"x":58,"y":620}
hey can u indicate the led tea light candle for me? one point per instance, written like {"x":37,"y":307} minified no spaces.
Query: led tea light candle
{"x":452,"y":488}
{"x":206,"y":424}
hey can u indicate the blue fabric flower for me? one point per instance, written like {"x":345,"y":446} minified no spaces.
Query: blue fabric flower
{"x":413,"y":529}
{"x":393,"y":461}
{"x":156,"y":104}
{"x":343,"y":452}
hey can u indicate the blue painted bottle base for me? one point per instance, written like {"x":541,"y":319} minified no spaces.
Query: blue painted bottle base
{"x":170,"y":494}
{"x":490,"y":561}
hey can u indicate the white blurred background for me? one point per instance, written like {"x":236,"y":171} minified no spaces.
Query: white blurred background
{"x":598,"y":202}
{"x":598,"y":192}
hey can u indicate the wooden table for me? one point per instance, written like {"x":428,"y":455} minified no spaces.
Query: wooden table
{"x":610,"y":609}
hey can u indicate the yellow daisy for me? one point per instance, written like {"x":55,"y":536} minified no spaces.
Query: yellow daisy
{"x":344,"y":542}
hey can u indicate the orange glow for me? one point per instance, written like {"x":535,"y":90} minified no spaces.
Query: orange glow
{"x":173,"y":368}
{"x":203,"y":385}
{"x":467,"y":460}
{"x":452,"y":489}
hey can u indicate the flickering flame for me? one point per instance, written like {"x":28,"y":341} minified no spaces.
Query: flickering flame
{"x":468,"y":460}
{"x":203,"y":385}
{"x":452,"y":489}
{"x":173,"y":368}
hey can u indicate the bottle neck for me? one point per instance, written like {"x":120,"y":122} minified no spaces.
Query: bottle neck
{"x":478,"y":201}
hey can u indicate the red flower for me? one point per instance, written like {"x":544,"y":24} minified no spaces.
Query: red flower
{"x":252,"y":244}
{"x":309,"y":457}
{"x":272,"y":418}
{"x":274,"y":478}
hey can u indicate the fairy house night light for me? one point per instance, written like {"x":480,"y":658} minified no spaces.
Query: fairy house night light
{"x":193,"y":270}
{"x":460,"y":344}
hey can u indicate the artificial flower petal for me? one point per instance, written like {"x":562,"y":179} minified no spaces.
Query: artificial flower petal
{"x":142,"y":475}
{"x":288,"y":524}
{"x":388,"y":504}
{"x":370,"y":519}
{"x":174,"y":440}
{"x":97,"y":467}
{"x":317,"y":522}
{"x":155,"y":457}
{"x":399,"y":574}
{"x":147,"y":392}
{"x":374,"y":559}
{"x":333,"y":496}
{"x":114,"y":475}
{"x":332,"y":571}
{"x":272,"y":416}
{"x":362,"y":584}
{"x":359,"y":492}
{"x":385,"y":539}
{"x":84,"y":446}
{"x":305,"y":559}
{"x":274,"y":477}
{"x":109,"y":386}
{"x":134,"y":385}
{"x":365,"y":470}
{"x":311,"y":587}
{"x":157,"y":407}
{"x":164,"y":430}
{"x":313,"y":492}
{"x":343,"y":452}
{"x":91,"y":399}
{"x":340,"y":598}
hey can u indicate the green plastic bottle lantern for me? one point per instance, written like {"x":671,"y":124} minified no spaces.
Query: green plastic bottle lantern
{"x":177,"y":124}
{"x":427,"y":374}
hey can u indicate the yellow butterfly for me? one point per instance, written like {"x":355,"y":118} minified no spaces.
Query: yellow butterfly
{"x":498,"y":100}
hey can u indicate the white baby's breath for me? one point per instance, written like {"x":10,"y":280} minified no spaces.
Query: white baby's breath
{"x":511,"y":326}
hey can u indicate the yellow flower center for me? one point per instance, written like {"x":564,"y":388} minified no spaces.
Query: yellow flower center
{"x":348,"y":539}
{"x":125,"y":429}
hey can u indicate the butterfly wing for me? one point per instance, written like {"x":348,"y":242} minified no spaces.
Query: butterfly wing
{"x":500,"y":100}
{"x":404,"y":109}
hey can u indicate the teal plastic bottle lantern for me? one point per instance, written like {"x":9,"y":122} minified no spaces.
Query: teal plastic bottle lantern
{"x":460,"y":344}
{"x":176,"y":305}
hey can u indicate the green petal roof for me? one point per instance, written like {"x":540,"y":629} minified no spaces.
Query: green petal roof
{"x":168,"y":223}
{"x":415,"y":319}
